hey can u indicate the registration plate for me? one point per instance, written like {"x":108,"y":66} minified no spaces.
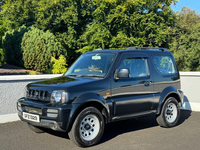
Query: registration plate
{"x":31,"y":117}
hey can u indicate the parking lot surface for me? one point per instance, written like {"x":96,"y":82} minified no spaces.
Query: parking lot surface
{"x":138,"y":134}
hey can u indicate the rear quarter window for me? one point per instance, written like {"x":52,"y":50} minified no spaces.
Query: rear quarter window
{"x":164,"y":64}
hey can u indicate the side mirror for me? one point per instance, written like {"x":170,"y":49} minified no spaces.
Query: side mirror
{"x":122,"y":73}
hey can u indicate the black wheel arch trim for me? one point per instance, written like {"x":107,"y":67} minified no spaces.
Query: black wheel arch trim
{"x":165,"y":94}
{"x":88,"y":100}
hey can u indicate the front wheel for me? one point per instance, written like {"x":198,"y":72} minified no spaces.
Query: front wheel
{"x":170,"y":113}
{"x":87,"y":128}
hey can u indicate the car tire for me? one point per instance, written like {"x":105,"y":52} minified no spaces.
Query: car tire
{"x":170,"y":113}
{"x":35,"y":129}
{"x":87,"y":128}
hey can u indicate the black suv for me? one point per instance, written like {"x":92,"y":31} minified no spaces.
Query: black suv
{"x":104,"y":86}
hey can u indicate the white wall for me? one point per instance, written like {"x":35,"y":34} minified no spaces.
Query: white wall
{"x":190,"y":85}
{"x":11,"y":89}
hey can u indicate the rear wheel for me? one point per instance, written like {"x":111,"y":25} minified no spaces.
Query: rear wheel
{"x":87,"y":128}
{"x":170,"y":113}
{"x":35,"y":129}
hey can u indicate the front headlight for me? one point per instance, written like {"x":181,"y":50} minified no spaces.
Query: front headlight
{"x":59,"y":96}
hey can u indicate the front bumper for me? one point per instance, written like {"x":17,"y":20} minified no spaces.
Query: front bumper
{"x":58,"y":120}
{"x":44,"y":123}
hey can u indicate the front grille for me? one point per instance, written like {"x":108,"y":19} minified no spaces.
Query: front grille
{"x":38,"y":94}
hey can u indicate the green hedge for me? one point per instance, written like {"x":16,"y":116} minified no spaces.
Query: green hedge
{"x":12,"y":46}
{"x":1,"y":57}
{"x":38,"y":48}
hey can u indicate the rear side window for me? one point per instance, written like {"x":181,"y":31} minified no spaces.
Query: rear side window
{"x":164,"y":64}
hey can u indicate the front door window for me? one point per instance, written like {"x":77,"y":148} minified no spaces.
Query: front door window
{"x":137,"y":66}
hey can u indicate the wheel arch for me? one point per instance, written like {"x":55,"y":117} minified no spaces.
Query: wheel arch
{"x":90,"y":103}
{"x":168,"y":92}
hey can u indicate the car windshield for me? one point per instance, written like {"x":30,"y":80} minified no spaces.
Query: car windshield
{"x":91,"y":65}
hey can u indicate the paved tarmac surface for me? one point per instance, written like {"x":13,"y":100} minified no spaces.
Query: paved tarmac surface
{"x":138,"y":134}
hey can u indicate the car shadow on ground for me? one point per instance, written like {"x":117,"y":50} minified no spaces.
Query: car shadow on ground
{"x":56,"y":133}
{"x":114,"y":129}
{"x":120,"y":127}
{"x":185,"y":114}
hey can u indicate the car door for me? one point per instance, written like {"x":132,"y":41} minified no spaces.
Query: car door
{"x":133,"y":95}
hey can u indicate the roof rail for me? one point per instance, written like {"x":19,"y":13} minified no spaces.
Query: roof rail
{"x":147,"y":48}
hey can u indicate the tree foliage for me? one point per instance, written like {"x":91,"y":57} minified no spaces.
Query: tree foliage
{"x":64,"y":18}
{"x":16,"y":13}
{"x":38,"y":47}
{"x":123,"y":23}
{"x":185,"y":42}
{"x":12,"y":45}
{"x":59,"y":65}
{"x":82,"y":24}
{"x":2,"y":60}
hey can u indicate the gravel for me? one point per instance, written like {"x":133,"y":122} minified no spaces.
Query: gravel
{"x":8,"y":69}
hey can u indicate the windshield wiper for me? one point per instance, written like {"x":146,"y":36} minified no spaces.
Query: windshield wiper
{"x":93,"y":75}
{"x":85,"y":75}
{"x":75,"y":75}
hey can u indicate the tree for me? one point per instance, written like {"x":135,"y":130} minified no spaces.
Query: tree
{"x":1,"y":57}
{"x":65,"y":19}
{"x":123,"y":23}
{"x":90,"y":24}
{"x":16,"y":13}
{"x":2,"y":29}
{"x":12,"y":46}
{"x":185,"y":41}
{"x":38,"y":48}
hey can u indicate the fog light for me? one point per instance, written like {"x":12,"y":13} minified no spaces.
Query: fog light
{"x":55,"y":126}
{"x":52,"y":115}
